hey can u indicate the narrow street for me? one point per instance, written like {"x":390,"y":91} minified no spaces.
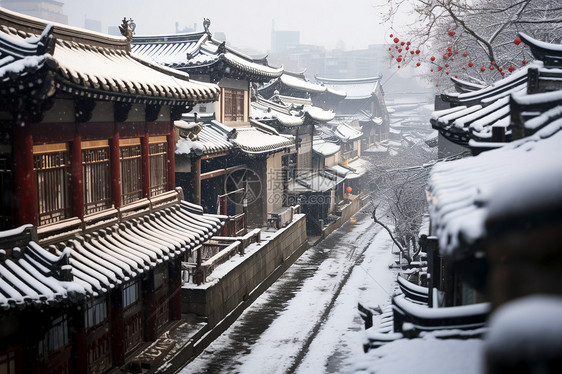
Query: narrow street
{"x":308,"y":322}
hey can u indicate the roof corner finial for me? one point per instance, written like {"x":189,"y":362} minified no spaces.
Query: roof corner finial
{"x":206,"y":24}
{"x":127,"y":28}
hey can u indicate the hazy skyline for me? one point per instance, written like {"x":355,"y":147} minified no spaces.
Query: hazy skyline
{"x":246,"y":23}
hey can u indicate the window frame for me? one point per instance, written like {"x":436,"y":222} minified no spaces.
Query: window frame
{"x":52,"y":170}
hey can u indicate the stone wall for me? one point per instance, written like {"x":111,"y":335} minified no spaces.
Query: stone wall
{"x":249,"y":278}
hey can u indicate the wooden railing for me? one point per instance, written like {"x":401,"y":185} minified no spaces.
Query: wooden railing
{"x":206,"y":257}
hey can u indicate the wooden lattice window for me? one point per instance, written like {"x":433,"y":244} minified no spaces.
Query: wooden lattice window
{"x":51,"y":164}
{"x":131,"y":293}
{"x":131,"y":170}
{"x":97,"y":176}
{"x":95,"y":313}
{"x":56,"y":338}
{"x":233,"y":105}
{"x":6,"y":192}
{"x":158,"y":151}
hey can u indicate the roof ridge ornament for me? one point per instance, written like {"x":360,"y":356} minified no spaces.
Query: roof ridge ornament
{"x":206,"y":25}
{"x":127,"y":28}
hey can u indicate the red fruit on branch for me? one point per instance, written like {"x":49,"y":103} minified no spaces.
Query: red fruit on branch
{"x":482,"y":69}
{"x":417,"y":51}
{"x":511,"y":68}
{"x":451,"y":33}
{"x":432,"y":58}
{"x":465,"y":54}
{"x":524,"y":62}
{"x":470,"y":64}
{"x":391,"y":35}
{"x":418,"y":64}
{"x":517,"y":41}
{"x":396,"y":40}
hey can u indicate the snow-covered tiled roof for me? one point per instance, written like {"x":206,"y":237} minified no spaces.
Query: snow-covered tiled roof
{"x":203,"y":138}
{"x":325,"y":148}
{"x":320,"y":181}
{"x":347,"y":133}
{"x":301,"y":84}
{"x":360,"y":88}
{"x":256,"y":140}
{"x":319,"y":114}
{"x":100,"y":261}
{"x":505,"y":104}
{"x":89,"y":64}
{"x":199,"y":51}
{"x":288,"y":115}
{"x":464,"y":194}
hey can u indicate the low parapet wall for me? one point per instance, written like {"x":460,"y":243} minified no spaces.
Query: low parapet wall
{"x":250,"y":277}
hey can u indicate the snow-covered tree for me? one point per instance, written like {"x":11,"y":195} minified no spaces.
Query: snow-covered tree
{"x":475,"y":40}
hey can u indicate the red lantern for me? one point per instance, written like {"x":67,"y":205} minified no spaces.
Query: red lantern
{"x":470,"y":64}
{"x":482,"y":69}
{"x":451,"y":33}
{"x":349,"y":189}
{"x":396,"y":40}
{"x":432,"y":58}
{"x":517,"y":41}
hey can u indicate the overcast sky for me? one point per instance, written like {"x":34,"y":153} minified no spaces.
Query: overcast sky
{"x":246,"y":23}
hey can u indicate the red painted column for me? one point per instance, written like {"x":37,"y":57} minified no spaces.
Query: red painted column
{"x":115,"y":162}
{"x":145,"y":163}
{"x":171,"y":158}
{"x":25,"y":191}
{"x":77,"y":177}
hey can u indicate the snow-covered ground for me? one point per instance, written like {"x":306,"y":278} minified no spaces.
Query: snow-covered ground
{"x":313,"y":326}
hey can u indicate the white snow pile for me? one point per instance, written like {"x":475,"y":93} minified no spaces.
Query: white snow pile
{"x":526,"y":330}
{"x":186,"y":146}
{"x":423,"y":355}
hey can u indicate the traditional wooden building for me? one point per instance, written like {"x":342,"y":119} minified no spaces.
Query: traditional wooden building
{"x":363,"y":107}
{"x":495,"y":228}
{"x":96,"y":231}
{"x":209,"y":60}
{"x":483,"y":118}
